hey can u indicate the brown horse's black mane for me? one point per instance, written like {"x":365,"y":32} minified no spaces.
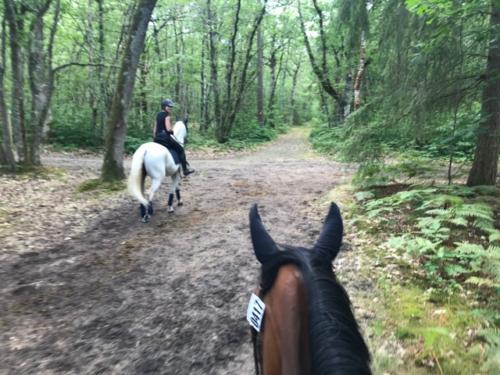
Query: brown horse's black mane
{"x":336,"y":344}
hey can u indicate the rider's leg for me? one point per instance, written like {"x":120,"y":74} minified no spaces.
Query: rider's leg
{"x":182,"y":156}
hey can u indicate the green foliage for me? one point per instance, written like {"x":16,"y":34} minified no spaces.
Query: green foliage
{"x":75,"y":134}
{"x":420,"y":91}
{"x":447,"y":231}
{"x":245,"y":135}
{"x":133,"y":143}
{"x":492,"y":337}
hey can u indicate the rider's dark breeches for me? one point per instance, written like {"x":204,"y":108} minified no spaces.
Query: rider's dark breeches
{"x":169,"y":142}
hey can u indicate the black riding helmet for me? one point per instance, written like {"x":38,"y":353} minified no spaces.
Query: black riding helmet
{"x":167,"y":103}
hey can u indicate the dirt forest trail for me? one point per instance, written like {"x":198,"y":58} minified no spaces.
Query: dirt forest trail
{"x":168,"y":297}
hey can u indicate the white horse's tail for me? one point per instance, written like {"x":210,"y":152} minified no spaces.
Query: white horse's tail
{"x":137,"y":175}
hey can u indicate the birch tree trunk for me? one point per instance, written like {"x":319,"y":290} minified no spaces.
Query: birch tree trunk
{"x":260,"y":78}
{"x":112,"y":168}
{"x":360,"y":73}
{"x":485,"y":165}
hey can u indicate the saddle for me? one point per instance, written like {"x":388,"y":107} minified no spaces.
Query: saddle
{"x":165,"y":140}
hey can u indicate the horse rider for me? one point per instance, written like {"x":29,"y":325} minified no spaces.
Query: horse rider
{"x":163,"y":134}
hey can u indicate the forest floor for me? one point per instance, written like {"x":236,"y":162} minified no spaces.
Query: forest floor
{"x":87,"y":288}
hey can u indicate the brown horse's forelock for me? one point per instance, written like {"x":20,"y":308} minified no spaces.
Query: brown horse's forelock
{"x":336,"y":344}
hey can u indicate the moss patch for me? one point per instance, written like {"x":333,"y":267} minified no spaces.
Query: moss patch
{"x":98,"y":185}
{"x":40,"y":172}
{"x":442,"y":338}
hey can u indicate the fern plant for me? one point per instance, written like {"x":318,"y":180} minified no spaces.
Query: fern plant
{"x":446,"y":231}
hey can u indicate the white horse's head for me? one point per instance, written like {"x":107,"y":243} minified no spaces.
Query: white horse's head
{"x":180,"y":131}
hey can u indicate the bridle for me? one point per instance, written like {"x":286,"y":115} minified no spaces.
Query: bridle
{"x":257,"y":338}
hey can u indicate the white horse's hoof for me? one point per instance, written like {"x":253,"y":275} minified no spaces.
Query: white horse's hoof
{"x":180,"y":203}
{"x":145,"y":218}
{"x":170,"y":210}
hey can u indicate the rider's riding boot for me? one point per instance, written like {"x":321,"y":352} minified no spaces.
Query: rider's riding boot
{"x":186,"y":170}
{"x":185,"y":166}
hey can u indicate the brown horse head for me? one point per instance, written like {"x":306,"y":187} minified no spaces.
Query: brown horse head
{"x":308,"y":327}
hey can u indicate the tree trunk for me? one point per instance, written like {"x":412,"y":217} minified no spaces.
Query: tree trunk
{"x":275,"y":67}
{"x":156,"y":32}
{"x":325,"y":108}
{"x":112,"y":168}
{"x":260,"y":78}
{"x":16,"y":26}
{"x":41,"y":75}
{"x":184,"y":95}
{"x":203,"y":89}
{"x":94,"y":91}
{"x":360,"y":73}
{"x":39,"y":89}
{"x":224,"y":128}
{"x":7,"y":155}
{"x":214,"y":79}
{"x":293,"y":110}
{"x":103,"y":99}
{"x":143,"y":97}
{"x":321,"y":72}
{"x":178,"y":69}
{"x":484,"y":167}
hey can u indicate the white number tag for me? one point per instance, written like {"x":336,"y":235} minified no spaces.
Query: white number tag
{"x":255,"y":312}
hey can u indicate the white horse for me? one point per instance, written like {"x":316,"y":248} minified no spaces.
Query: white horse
{"x":154,"y":160}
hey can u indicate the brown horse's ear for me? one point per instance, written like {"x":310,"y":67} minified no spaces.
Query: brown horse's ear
{"x":330,"y":238}
{"x":264,"y":246}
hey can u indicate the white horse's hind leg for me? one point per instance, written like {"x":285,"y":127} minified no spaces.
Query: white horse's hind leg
{"x":148,"y":211}
{"x":155,"y":185}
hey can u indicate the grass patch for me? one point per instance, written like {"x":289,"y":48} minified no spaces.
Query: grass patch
{"x":442,"y":338}
{"x":98,"y":185}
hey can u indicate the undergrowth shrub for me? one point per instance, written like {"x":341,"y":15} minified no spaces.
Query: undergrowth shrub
{"x":449,"y":231}
{"x":445,"y":242}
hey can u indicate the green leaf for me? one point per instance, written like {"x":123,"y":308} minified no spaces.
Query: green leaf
{"x":364,"y":195}
{"x":455,"y":270}
{"x":494,"y":236}
{"x":432,"y":334}
{"x":458,"y":221}
{"x":481,"y":281}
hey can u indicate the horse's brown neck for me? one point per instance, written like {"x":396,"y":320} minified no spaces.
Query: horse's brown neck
{"x":285,"y":341}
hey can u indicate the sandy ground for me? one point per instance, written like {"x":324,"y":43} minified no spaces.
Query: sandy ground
{"x":87,"y":288}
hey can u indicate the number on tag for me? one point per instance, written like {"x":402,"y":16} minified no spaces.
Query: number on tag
{"x":255,"y":312}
